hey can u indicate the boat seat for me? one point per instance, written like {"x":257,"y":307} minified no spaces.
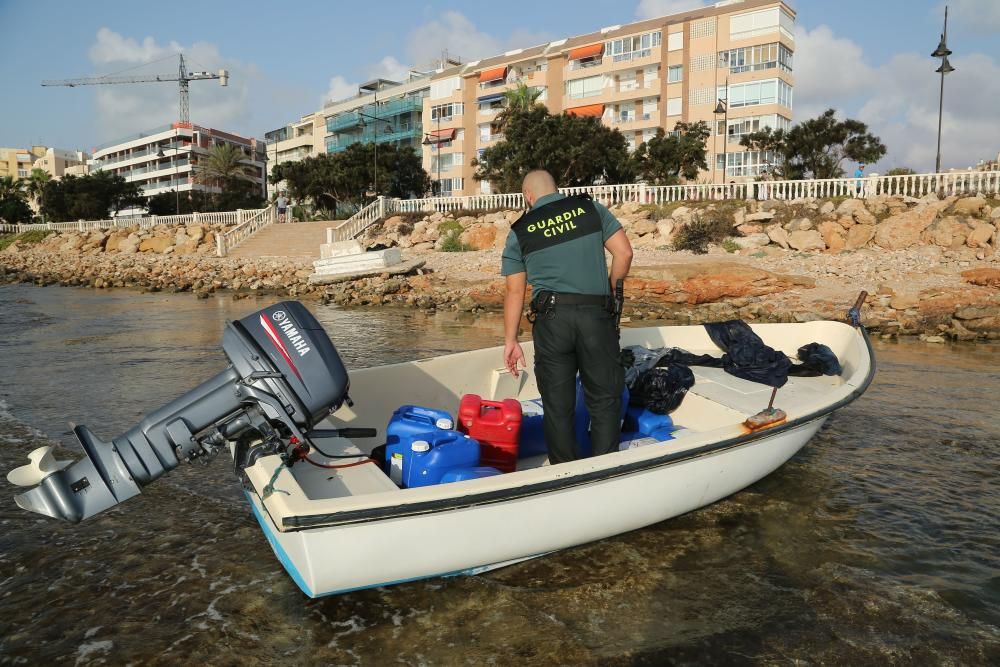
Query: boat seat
{"x":799,"y":395}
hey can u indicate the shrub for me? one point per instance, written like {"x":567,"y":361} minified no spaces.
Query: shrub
{"x":449,"y":226}
{"x":729,"y":245}
{"x":452,"y":243}
{"x":25,"y":238}
{"x":699,"y":233}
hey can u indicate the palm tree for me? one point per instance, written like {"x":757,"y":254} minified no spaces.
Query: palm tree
{"x":517,"y":100}
{"x":11,"y":188}
{"x":35,"y":184}
{"x":223,"y":167}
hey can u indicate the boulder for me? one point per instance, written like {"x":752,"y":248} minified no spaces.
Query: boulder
{"x":681,"y":214}
{"x":799,"y":225}
{"x":995,"y":215}
{"x":748,"y":229}
{"x":981,"y":235}
{"x":903,"y":229}
{"x":643,"y":227}
{"x":986,"y":276}
{"x":196,"y":233}
{"x":827,"y":208}
{"x":846,"y":221}
{"x":753,"y":241}
{"x":156,"y":244}
{"x":859,"y":236}
{"x":481,"y":236}
{"x":630,"y":207}
{"x":778,"y":234}
{"x":665,"y":228}
{"x":833,"y":235}
{"x":806,"y":240}
{"x":977,"y":312}
{"x":945,"y":232}
{"x":856,"y":209}
{"x":760,"y":216}
{"x":969,"y":206}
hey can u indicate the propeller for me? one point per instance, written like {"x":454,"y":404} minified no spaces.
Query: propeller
{"x":43,"y":463}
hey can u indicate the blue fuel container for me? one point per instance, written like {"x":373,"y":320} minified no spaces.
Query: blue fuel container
{"x":532,"y":442}
{"x":412,"y":420}
{"x":433,"y":454}
{"x":462,"y":474}
{"x":581,"y":422}
{"x":645,"y":422}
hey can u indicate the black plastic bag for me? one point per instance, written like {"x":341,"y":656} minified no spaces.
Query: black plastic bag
{"x":817,"y":359}
{"x":662,"y":389}
{"x":746,"y":356}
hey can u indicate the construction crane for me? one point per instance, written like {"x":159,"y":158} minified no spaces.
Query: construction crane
{"x":183,"y":78}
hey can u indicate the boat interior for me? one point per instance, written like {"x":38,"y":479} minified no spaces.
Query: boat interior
{"x":713,"y":410}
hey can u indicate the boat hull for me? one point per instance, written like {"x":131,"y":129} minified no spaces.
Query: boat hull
{"x":468,"y":540}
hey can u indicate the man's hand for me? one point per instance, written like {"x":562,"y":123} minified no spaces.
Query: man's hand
{"x":512,"y":354}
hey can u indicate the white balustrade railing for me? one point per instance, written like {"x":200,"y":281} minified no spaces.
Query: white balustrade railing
{"x":362,"y":220}
{"x":143,"y":222}
{"x":250,"y":222}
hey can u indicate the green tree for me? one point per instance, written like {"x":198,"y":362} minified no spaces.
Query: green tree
{"x":664,"y":159}
{"x":343,"y":178}
{"x":90,"y":197}
{"x":226,"y":167}
{"x":575,"y":150}
{"x":817,"y":148}
{"x":521,"y":99}
{"x":13,"y":207}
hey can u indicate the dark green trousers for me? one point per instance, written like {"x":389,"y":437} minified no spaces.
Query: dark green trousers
{"x":578,"y":338}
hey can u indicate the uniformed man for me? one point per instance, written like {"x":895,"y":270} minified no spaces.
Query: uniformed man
{"x":558,"y":247}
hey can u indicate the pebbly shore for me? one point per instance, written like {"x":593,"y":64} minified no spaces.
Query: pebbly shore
{"x":930,"y":265}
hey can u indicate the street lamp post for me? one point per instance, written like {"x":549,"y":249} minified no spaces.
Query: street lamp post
{"x":942,"y":51}
{"x":722,"y":108}
{"x":427,"y":142}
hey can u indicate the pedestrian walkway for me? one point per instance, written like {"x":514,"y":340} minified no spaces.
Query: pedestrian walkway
{"x":296,"y":239}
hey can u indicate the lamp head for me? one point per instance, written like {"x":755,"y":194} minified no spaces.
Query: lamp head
{"x":942,"y":50}
{"x":945,"y":67}
{"x":720,"y":108}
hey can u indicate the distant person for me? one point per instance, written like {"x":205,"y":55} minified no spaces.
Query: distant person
{"x":859,"y":185}
{"x":762,"y":193}
{"x":282,"y":203}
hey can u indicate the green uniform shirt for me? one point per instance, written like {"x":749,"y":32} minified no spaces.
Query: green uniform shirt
{"x":576,"y":267}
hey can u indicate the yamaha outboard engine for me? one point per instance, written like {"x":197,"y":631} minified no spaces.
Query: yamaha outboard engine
{"x":284,"y":376}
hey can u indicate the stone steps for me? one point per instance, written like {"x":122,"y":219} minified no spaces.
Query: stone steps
{"x":297,"y":239}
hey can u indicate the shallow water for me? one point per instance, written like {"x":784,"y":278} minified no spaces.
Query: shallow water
{"x":878,"y":544}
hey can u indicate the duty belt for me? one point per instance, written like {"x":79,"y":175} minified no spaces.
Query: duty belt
{"x":544,"y":303}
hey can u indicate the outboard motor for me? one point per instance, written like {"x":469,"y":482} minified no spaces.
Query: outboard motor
{"x":284,"y":376}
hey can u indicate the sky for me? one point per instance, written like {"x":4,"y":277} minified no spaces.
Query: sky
{"x":868,"y":59}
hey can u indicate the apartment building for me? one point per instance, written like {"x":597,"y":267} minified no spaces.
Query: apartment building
{"x":58,"y":162}
{"x":296,"y":141}
{"x":166,"y":158}
{"x":18,"y":162}
{"x":729,"y":65}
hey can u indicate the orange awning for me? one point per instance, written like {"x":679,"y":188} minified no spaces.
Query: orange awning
{"x":493,"y":74}
{"x":440,"y":136}
{"x":586,"y":51}
{"x":595,"y":110}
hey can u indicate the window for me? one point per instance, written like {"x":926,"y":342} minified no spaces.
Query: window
{"x":756,"y":58}
{"x":450,"y":185}
{"x":649,"y":108}
{"x":675,"y":73}
{"x":629,"y":48}
{"x":769,"y":91}
{"x":649,"y":76}
{"x":761,"y":22}
{"x":675,"y":41}
{"x":625,"y":113}
{"x":702,"y":28}
{"x":588,"y":87}
{"x":745,"y":163}
{"x":738,"y":127}
{"x":460,"y":134}
{"x":446,"y":112}
{"x":627,"y":81}
{"x":674,"y":106}
{"x":648,"y":134}
{"x":484,"y":188}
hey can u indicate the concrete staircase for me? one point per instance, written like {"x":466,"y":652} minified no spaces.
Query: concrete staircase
{"x":296,"y":239}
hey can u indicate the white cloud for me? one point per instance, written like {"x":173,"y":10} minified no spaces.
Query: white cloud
{"x":389,"y":68}
{"x":649,"y":9}
{"x":899,"y":99}
{"x":455,"y":33}
{"x":818,"y":86}
{"x":130,"y":108}
{"x":981,"y":16}
{"x":339,"y":89}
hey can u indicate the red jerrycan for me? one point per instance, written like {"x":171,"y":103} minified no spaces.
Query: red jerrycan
{"x":497,"y":427}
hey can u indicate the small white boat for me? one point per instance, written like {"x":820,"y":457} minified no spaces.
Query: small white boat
{"x":349,"y":528}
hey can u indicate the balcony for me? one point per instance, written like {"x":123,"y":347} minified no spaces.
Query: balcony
{"x":385,"y":111}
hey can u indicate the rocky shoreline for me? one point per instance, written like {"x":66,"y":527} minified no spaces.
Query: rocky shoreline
{"x":930,"y":266}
